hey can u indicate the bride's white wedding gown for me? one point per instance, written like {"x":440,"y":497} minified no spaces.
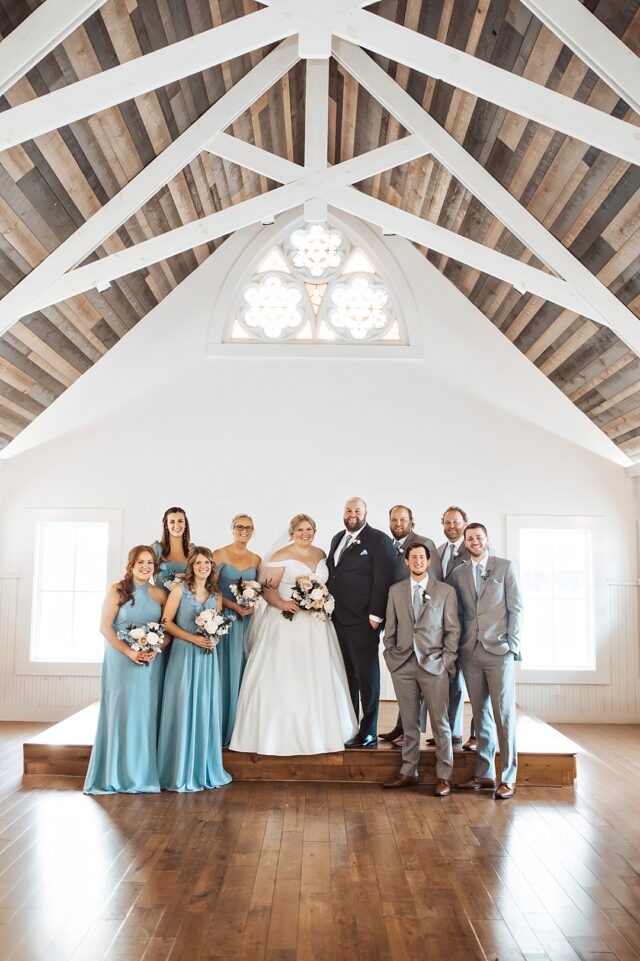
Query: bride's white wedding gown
{"x":294,"y":697}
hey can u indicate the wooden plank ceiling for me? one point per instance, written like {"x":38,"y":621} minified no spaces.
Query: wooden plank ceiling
{"x":589,"y":200}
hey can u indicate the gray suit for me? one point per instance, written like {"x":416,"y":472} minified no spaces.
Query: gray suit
{"x":420,"y":653}
{"x":456,"y":700}
{"x":491,"y":625}
{"x":401,"y":569}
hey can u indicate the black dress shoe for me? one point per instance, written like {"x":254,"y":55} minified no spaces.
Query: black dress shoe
{"x":369,"y":740}
{"x":391,"y":735}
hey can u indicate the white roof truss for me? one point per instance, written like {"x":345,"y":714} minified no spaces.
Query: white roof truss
{"x":600,"y":49}
{"x":36,"y":36}
{"x":316,"y":185}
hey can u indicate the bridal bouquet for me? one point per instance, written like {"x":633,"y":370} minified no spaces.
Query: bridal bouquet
{"x":312,"y":596}
{"x":246,"y":592}
{"x":169,"y":579}
{"x":213,"y":624}
{"x":149,"y":637}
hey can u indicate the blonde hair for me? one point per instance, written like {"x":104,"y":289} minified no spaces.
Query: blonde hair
{"x":298,"y":519}
{"x":237,"y":518}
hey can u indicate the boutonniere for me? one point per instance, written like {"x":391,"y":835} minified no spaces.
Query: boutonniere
{"x":399,"y":550}
{"x":487,"y":575}
{"x":355,"y":542}
{"x":425,"y":597}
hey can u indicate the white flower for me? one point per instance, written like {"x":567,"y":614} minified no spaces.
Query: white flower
{"x":316,"y":594}
{"x":138,"y":633}
{"x":153,"y":638}
{"x":330,"y":604}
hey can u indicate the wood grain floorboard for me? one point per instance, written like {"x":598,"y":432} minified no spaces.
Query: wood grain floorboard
{"x":308,"y":871}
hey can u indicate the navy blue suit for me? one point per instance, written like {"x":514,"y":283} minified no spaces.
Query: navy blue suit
{"x":360,"y":584}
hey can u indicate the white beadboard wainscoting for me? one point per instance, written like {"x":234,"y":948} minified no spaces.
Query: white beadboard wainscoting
{"x":34,"y":697}
{"x":52,"y":697}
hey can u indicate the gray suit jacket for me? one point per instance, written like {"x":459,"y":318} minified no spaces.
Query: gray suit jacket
{"x":462,"y":555}
{"x":495,"y":617}
{"x":401,"y":569}
{"x":436,"y":631}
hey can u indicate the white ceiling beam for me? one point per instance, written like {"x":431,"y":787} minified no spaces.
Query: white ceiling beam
{"x":389,"y":218}
{"x":521,"y":276}
{"x":316,"y":128}
{"x":254,"y":158}
{"x":20,"y":301}
{"x":611,"y":312}
{"x":103,"y":271}
{"x":491,"y":83}
{"x":145,"y":73}
{"x":36,"y":36}
{"x":597,"y":46}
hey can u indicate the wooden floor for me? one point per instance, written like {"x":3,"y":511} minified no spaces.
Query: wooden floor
{"x":545,"y":757}
{"x":324,"y":872}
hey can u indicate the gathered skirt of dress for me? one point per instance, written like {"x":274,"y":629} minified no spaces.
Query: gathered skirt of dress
{"x":190,"y":741}
{"x":294,"y":697}
{"x":124,"y":751}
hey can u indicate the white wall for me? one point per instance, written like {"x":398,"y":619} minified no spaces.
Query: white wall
{"x":157,"y":422}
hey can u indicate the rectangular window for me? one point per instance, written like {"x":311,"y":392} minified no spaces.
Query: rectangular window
{"x":560,"y":560}
{"x":69,"y":558}
{"x":70,"y":580}
{"x":556,"y":575}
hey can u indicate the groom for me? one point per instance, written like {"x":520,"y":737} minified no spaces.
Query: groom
{"x":361,"y":570}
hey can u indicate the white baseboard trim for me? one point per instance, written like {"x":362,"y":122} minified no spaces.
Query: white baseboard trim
{"x":13,"y":712}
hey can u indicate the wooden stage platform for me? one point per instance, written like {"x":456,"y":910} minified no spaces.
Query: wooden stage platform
{"x":545,"y":757}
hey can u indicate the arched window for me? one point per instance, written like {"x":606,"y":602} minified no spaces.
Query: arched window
{"x":316,"y":286}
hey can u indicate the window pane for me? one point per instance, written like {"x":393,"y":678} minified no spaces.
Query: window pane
{"x":558,"y":600}
{"x":70,"y":578}
{"x":56,"y":553}
{"x":87,"y":640}
{"x":537,"y":635}
{"x":91,"y":557}
{"x":53,"y":638}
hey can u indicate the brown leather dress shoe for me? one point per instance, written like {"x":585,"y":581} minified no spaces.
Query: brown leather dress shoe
{"x":470,"y":745}
{"x":443,"y":788}
{"x":431,"y":741}
{"x":391,"y":735}
{"x":402,"y":780}
{"x":505,"y":791}
{"x":477,"y":784}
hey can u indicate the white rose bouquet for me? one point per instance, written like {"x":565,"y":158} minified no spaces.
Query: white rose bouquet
{"x":312,"y":596}
{"x":148,"y":637}
{"x":213,"y":625}
{"x":246,"y":592}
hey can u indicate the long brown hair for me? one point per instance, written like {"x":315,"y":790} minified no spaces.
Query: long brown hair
{"x":165,"y":543}
{"x":125,"y":587}
{"x":211,"y":583}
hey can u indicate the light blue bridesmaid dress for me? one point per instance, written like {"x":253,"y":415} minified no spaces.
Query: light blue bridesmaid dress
{"x":124,"y":752}
{"x":231,"y":657}
{"x":190,"y":741}
{"x":167,"y":569}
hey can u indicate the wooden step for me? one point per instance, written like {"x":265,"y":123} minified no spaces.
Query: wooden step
{"x":545,"y":757}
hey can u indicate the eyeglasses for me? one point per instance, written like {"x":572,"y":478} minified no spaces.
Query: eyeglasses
{"x":242,"y":527}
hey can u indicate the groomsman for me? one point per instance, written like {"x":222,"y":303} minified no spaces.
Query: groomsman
{"x":361,"y":566}
{"x":401,"y":526}
{"x":490,"y":604}
{"x":452,"y":554}
{"x":421,"y":638}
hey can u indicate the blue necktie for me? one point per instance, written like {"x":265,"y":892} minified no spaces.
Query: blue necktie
{"x":479,"y":573}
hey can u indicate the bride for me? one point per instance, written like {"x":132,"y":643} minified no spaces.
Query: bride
{"x":294,"y":697}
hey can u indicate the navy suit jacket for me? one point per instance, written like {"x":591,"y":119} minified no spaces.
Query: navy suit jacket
{"x":360,"y":583}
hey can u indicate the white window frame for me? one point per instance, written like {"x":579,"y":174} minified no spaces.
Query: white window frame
{"x":601,"y":674}
{"x":26,"y":586}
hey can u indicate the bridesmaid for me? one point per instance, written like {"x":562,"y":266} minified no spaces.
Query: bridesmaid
{"x":190,"y":740}
{"x":124,"y":751}
{"x":234,"y":561}
{"x":171,"y":552}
